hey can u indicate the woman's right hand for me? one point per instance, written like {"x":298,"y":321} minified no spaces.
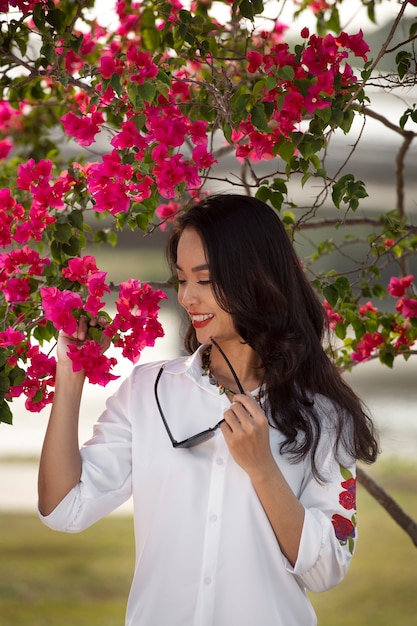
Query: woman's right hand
{"x":80,"y":336}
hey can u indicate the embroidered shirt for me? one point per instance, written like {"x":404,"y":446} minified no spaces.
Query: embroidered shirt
{"x":206,"y":554}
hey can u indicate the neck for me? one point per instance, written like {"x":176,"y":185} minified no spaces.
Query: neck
{"x":245,"y":362}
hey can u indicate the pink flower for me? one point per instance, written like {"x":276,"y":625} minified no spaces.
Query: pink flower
{"x":17,"y":290}
{"x":137,"y":309}
{"x":166,"y":212}
{"x":59,"y":306}
{"x":198,"y":132}
{"x":355,"y":43}
{"x":83,"y":129}
{"x":110,"y":66}
{"x":202,"y":158}
{"x":96,"y":284}
{"x":333,"y":318}
{"x":407,"y":307}
{"x":93,"y":305}
{"x":31,"y":172}
{"x":142,"y":62}
{"x":90,"y":358}
{"x":41,"y":365}
{"x":363,"y":310}
{"x":11,"y":337}
{"x":6,"y":147}
{"x":171,"y":173}
{"x":397,"y":286}
{"x":80,"y":269}
{"x":366,"y":346}
{"x":255,"y":61}
{"x":404,"y":339}
{"x":129,"y":137}
{"x":108,"y":184}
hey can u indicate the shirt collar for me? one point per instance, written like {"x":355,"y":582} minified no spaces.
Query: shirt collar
{"x":191,"y":365}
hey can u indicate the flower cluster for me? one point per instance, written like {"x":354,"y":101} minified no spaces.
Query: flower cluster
{"x":24,"y":277}
{"x":378,"y":335}
{"x":134,"y":326}
{"x":162,"y":93}
{"x":297,"y":85}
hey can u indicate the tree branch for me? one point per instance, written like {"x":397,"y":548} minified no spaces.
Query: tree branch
{"x":389,"y":504}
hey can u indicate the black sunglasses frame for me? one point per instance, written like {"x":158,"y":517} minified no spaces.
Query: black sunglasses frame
{"x":207,"y":434}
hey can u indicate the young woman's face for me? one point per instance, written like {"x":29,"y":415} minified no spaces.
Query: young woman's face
{"x":195,"y":291}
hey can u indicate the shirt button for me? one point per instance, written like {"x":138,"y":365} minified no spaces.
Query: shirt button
{"x":207,"y":580}
{"x":213,"y":518}
{"x":219,"y":461}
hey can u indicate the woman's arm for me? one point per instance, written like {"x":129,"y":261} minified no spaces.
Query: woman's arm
{"x":60,"y":462}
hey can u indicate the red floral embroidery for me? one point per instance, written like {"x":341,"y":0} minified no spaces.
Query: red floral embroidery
{"x":343,"y":527}
{"x":348,"y":498}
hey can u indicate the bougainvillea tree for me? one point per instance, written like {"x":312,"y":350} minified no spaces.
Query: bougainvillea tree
{"x":167,"y":90}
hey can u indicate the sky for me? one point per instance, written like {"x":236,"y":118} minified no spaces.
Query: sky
{"x":353,"y":13}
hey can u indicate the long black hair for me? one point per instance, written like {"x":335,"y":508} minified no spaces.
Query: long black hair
{"x":257,"y":278}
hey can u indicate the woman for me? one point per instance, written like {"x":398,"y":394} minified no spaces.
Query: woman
{"x":240,"y":457}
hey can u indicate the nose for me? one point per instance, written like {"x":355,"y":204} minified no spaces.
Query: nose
{"x":187,"y":295}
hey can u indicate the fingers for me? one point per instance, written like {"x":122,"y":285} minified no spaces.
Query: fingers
{"x":83,"y":325}
{"x":82,"y":328}
{"x":244,"y":412}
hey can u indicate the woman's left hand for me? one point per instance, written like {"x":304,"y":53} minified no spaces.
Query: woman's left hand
{"x":246,"y":432}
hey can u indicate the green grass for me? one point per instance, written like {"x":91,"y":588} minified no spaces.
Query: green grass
{"x":54,"y":579}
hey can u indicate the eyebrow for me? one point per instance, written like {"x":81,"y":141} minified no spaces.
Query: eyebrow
{"x":197,"y":268}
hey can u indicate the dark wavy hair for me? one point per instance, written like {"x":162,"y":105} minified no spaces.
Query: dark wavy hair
{"x":257,"y":278}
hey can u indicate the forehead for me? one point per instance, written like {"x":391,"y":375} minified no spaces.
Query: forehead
{"x":190,"y":249}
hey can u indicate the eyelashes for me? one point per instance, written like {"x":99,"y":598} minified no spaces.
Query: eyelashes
{"x":200,"y":282}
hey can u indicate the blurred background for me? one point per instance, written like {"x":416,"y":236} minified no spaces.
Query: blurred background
{"x":57,"y":580}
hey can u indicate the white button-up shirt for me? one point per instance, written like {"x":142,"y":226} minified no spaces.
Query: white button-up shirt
{"x":206,"y":554}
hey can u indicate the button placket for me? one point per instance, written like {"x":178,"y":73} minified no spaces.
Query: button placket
{"x":212,"y":533}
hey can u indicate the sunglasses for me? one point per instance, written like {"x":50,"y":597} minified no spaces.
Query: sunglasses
{"x":207,"y":434}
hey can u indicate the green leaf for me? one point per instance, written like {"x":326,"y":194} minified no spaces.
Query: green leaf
{"x":270,"y":82}
{"x":73,"y":247}
{"x":340,"y":330}
{"x":258,"y":117}
{"x":263,"y":193}
{"x":286,"y":72}
{"x":346,"y":474}
{"x":6,"y":415}
{"x":286,"y":151}
{"x":240,"y":106}
{"x":63,"y":232}
{"x":151,"y":39}
{"x":403,"y":61}
{"x":246,"y":9}
{"x":57,"y":19}
{"x":16,"y":376}
{"x":147,"y":91}
{"x":331,"y":294}
{"x":386,"y":358}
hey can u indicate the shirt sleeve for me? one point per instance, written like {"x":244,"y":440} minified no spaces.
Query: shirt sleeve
{"x":106,"y":470}
{"x":329,"y":532}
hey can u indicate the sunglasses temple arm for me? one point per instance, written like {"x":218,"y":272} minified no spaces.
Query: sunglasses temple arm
{"x":229,"y":365}
{"x":160,"y":408}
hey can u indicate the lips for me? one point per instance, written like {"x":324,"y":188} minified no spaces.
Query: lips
{"x":199,"y":320}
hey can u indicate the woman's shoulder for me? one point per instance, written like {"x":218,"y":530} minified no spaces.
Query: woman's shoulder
{"x":177,"y":365}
